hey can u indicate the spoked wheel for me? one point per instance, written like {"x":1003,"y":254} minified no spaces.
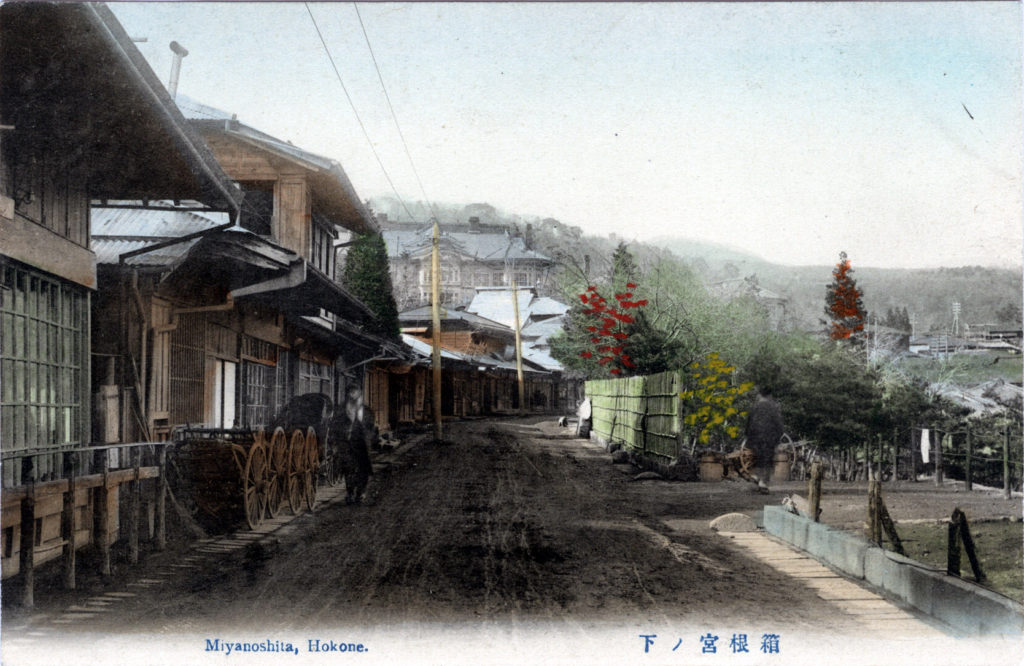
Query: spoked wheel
{"x":296,"y":473}
{"x":312,"y":476}
{"x":278,"y":455}
{"x":254,"y":485}
{"x":746,"y":462}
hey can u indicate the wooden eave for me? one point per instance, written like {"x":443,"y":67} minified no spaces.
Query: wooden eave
{"x":79,"y":94}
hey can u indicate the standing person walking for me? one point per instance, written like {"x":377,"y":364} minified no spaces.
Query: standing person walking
{"x":764,"y":430}
{"x":355,"y":435}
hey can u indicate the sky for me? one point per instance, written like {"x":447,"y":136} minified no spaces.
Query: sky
{"x":890,"y":131}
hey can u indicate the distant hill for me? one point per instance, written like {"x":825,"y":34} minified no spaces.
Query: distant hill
{"x":986,"y":295}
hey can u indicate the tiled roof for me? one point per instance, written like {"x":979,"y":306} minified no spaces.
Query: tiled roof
{"x":542,"y":306}
{"x":425,"y":313}
{"x":159,"y":224}
{"x":484,"y":247}
{"x":327,"y":174}
{"x":109,"y":251}
{"x":116,"y":231}
{"x":543,"y":329}
{"x":496,"y":304}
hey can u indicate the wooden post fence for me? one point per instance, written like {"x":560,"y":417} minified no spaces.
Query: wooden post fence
{"x":134,"y":510}
{"x":67,"y":520}
{"x":968,"y":482}
{"x":101,"y":512}
{"x":161,"y":501}
{"x":26,"y":559}
{"x":879,"y":520}
{"x":1006,"y":465}
{"x":960,"y":534}
{"x":814,"y":490}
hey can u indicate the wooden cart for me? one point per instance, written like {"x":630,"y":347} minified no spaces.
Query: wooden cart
{"x":741,"y":463}
{"x":241,"y":473}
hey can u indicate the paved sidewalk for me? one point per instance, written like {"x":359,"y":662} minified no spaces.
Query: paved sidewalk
{"x":881,"y":618}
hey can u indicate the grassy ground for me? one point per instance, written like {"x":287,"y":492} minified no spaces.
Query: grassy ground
{"x":967,"y":368}
{"x":998,"y":544}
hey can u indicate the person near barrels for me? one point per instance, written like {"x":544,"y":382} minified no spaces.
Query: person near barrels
{"x":764,"y":430}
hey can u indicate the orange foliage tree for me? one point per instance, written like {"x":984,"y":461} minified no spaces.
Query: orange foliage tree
{"x":844,"y":304}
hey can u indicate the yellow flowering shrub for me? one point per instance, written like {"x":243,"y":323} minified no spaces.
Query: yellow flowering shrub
{"x":708,"y":402}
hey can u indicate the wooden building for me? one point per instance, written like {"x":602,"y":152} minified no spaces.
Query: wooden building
{"x":471,"y":257}
{"x":223,"y":326}
{"x":478,"y":364}
{"x":83,"y":118}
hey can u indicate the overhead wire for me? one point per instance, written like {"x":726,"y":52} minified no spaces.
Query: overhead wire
{"x":391,"y":107}
{"x":359,"y":120}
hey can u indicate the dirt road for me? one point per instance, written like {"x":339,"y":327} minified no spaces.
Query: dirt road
{"x":507,"y":524}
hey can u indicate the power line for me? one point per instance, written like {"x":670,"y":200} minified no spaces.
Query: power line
{"x":392,"y":109}
{"x":366,"y":134}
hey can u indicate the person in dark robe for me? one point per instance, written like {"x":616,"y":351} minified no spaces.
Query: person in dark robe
{"x":764,"y":430}
{"x":354,"y":431}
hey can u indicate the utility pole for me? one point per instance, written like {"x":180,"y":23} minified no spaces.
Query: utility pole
{"x":435,"y":311}
{"x":519,"y":344}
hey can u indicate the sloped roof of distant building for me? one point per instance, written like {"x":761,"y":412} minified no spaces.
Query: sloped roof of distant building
{"x":484,"y":247}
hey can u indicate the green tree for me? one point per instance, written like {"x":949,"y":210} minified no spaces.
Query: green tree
{"x":844,"y":303}
{"x":366,"y":276}
{"x":833,"y":399}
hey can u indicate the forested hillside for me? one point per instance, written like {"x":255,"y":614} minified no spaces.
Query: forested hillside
{"x":987,"y":296}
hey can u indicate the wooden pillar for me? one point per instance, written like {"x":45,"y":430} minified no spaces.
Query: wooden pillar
{"x":938,"y":459}
{"x":873,"y":522}
{"x":101,"y":512}
{"x":67,"y":522}
{"x":134,"y":511}
{"x":161,"y":501}
{"x":972,"y":555}
{"x":26,"y":559}
{"x":895,"y":456}
{"x":435,"y":310}
{"x":814,"y":490}
{"x":1006,"y":464}
{"x":953,"y":545}
{"x":968,"y":481}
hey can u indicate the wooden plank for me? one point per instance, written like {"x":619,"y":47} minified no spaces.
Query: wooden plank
{"x":68,"y":523}
{"x":972,"y":556}
{"x":26,"y":564}
{"x":13,"y":496}
{"x":890,"y":528}
{"x":953,"y":545}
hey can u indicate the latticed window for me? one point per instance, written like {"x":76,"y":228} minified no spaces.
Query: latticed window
{"x":322,"y":255}
{"x":315,"y":377}
{"x":258,"y":383}
{"x":44,"y":345}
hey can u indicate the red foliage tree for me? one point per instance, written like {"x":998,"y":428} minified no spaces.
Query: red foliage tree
{"x":609,"y":331}
{"x":843,"y":303}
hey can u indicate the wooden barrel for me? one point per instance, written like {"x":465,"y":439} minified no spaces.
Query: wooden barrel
{"x":711,"y":467}
{"x":782,"y":465}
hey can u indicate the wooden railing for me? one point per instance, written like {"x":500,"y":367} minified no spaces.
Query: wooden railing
{"x":98,"y":471}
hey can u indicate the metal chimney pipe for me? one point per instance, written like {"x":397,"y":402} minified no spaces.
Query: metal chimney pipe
{"x":179,"y":53}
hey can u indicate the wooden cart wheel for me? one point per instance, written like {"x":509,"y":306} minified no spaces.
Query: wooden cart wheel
{"x":254,"y":485}
{"x":746,"y":462}
{"x":278,"y":455}
{"x":313,"y":472}
{"x":296,"y":472}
